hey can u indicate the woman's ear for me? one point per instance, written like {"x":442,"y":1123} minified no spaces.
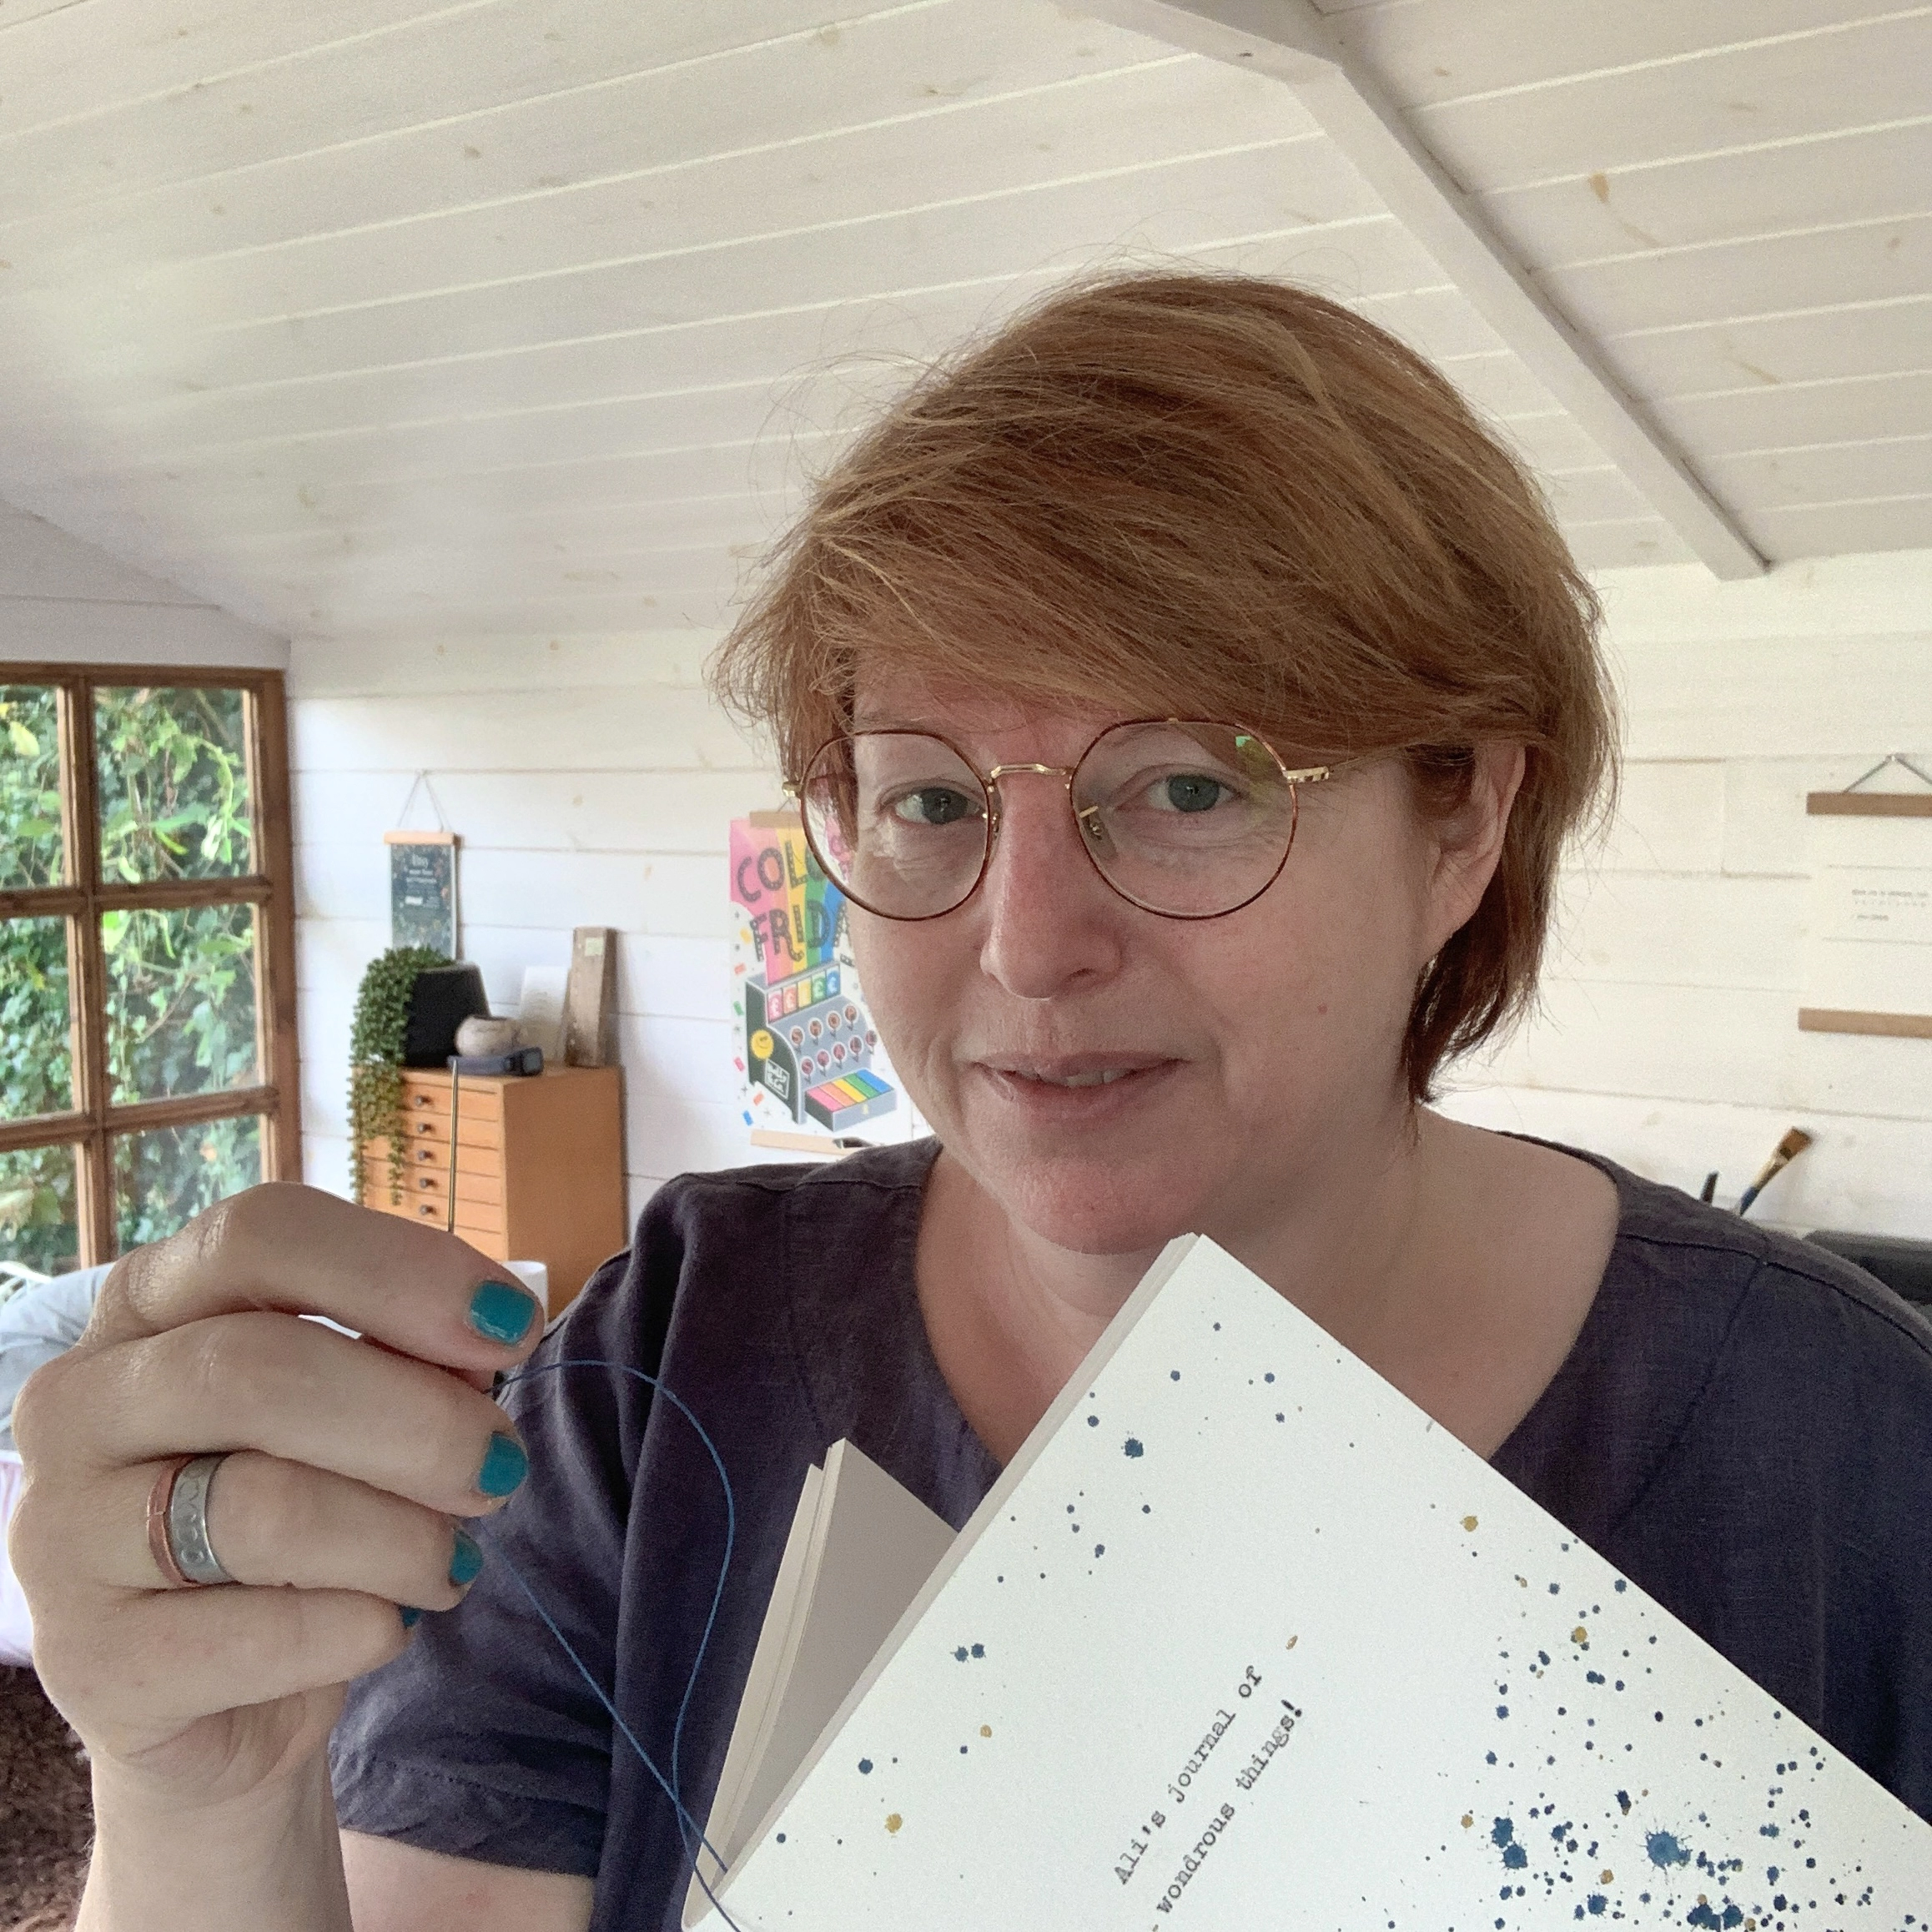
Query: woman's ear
{"x":1468,"y":840}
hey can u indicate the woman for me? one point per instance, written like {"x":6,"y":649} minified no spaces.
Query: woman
{"x":1142,"y":978}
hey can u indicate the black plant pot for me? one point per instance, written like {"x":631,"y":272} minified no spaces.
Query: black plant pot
{"x":443,"y":997}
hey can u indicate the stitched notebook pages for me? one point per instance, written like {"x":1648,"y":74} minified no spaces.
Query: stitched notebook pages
{"x":1241,"y":1636}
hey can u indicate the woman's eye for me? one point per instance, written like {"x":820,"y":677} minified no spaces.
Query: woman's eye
{"x":932,"y":805}
{"x":1189,"y":791}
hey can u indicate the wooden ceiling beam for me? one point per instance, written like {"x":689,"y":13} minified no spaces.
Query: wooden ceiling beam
{"x":1293,"y":42}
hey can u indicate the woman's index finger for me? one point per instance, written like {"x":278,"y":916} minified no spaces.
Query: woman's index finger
{"x":299,"y":1251}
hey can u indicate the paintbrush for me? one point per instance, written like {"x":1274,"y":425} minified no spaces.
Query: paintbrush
{"x":1794,"y":1143}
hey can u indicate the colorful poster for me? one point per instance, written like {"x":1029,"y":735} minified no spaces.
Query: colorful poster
{"x":805,"y":1046}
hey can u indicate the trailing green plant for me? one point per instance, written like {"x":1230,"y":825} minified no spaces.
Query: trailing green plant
{"x":375,"y":1056}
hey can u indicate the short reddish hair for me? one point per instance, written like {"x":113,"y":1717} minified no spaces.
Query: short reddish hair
{"x":1211,"y":495}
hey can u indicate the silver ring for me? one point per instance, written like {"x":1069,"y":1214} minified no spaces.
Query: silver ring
{"x":188,"y":1522}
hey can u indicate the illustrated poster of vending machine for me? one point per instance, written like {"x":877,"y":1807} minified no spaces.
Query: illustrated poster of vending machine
{"x":805,"y":1048}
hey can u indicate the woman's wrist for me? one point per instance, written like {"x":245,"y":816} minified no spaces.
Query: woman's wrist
{"x":268,"y":1861}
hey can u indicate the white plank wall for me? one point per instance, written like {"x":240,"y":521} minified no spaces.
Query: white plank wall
{"x":591,"y":781}
{"x":64,"y":601}
{"x":1668,"y":1036}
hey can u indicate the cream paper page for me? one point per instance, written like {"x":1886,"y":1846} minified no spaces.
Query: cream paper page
{"x":1242,"y":1637}
{"x":860,"y":1549}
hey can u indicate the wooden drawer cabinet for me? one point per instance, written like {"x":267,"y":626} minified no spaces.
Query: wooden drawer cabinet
{"x":537,"y":1172}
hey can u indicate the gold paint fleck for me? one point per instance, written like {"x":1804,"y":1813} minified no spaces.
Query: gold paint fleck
{"x":1579,"y":1635}
{"x":1522,"y":1582}
{"x":1606,"y":1876}
{"x":986,"y":1730}
{"x":1467,"y":1820}
{"x":893,"y":1821}
{"x":1294,"y":1640}
{"x":1469,"y":1522}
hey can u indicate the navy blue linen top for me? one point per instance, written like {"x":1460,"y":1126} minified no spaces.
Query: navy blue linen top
{"x":1743,"y":1427}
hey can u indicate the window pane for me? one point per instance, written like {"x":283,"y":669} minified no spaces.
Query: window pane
{"x":167,"y":1175}
{"x":30,"y":853}
{"x":174,"y":783}
{"x":36,"y":1036}
{"x":37,"y":1227}
{"x":181,"y":1000}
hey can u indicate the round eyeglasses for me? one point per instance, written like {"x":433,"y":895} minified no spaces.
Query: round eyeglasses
{"x":1187,"y":818}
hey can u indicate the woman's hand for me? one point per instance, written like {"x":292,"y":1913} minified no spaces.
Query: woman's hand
{"x":349,"y":1464}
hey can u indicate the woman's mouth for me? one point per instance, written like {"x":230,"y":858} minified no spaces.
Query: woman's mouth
{"x":1074,"y":1080}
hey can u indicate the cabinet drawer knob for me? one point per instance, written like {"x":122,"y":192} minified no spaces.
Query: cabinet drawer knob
{"x":425,"y":1208}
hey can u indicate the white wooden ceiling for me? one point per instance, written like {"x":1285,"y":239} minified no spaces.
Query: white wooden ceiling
{"x":528,"y":315}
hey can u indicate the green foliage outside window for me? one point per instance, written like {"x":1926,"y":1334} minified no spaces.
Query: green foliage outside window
{"x":174,"y":803}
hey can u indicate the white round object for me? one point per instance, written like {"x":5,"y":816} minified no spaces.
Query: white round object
{"x":535,"y":1276}
{"x":481,"y":1038}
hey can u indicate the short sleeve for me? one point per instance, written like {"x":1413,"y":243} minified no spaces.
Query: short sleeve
{"x":483,"y":1740}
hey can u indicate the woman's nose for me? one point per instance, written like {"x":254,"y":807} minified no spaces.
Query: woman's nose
{"x":1050,"y":922}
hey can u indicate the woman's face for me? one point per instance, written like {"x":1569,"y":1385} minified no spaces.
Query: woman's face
{"x":1249,"y":1051}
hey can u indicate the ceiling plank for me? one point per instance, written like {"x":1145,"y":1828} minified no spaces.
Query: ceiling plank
{"x":1290,"y":40}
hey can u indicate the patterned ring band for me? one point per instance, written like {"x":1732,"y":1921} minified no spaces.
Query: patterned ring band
{"x":178,"y":1523}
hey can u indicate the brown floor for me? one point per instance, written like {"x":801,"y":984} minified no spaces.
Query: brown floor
{"x":46,"y":1815}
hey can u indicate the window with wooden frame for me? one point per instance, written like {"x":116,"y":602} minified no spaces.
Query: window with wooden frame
{"x":147,"y":953}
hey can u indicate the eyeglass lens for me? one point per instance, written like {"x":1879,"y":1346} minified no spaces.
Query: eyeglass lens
{"x":1189,"y":819}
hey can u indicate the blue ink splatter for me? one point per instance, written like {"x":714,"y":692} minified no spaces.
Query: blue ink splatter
{"x":1664,"y":1849}
{"x":865,"y":1766}
{"x":1093,"y":1422}
{"x":1132,"y":1447}
{"x":1596,"y":1904}
{"x":1174,"y":1374}
{"x":960,"y":1653}
{"x":1100,"y":1549}
{"x":1503,"y":1710}
{"x":979,"y":1650}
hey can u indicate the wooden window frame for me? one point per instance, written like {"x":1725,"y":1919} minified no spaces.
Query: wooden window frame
{"x":92,"y":1126}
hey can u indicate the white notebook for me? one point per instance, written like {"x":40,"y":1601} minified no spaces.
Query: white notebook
{"x":1241,"y":1638}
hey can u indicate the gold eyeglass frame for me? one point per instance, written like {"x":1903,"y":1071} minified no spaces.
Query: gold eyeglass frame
{"x":1294,"y":776}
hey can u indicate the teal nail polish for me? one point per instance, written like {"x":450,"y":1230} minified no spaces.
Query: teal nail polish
{"x":504,"y":1467}
{"x":468,"y":1560}
{"x":502,"y":1310}
{"x":411,"y":1615}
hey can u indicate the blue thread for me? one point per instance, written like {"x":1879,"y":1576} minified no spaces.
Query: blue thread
{"x":687,"y":1826}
